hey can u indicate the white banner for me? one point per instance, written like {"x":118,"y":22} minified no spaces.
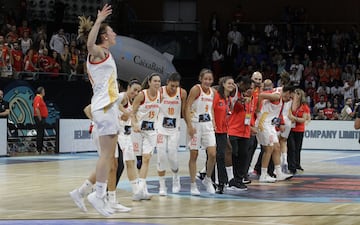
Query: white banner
{"x":75,"y":136}
{"x":331,"y":135}
{"x":3,"y":137}
{"x":319,"y":134}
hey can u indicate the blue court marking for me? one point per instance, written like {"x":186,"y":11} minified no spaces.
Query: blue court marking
{"x":48,"y":158}
{"x":301,"y":188}
{"x":67,"y":222}
{"x":349,"y":161}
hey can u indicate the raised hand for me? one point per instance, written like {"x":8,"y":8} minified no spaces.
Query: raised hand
{"x":104,"y":13}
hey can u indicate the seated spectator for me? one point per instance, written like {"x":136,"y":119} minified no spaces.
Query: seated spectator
{"x":17,"y":56}
{"x":296,"y":73}
{"x":323,"y":89}
{"x":310,"y":75}
{"x":349,"y":89}
{"x":337,"y":103}
{"x":320,"y":115}
{"x":324,"y":74}
{"x":336,"y":90}
{"x":320,"y":105}
{"x":330,"y":112}
{"x":347,"y":113}
{"x":335,"y":73}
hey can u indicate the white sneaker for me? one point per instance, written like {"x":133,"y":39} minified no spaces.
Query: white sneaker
{"x":207,"y":182}
{"x":78,"y":199}
{"x":138,"y":195}
{"x":283,"y":176}
{"x":100,"y":204}
{"x":194,"y":190}
{"x":119,"y":208}
{"x":266,"y":178}
{"x":176,"y":187}
{"x":163,"y":191}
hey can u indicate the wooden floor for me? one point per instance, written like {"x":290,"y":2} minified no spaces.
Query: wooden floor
{"x":35,"y":189}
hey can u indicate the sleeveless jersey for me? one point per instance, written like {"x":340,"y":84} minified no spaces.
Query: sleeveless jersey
{"x":269,"y":110}
{"x":102,"y":76}
{"x":128,"y":108}
{"x":148,"y":111}
{"x":170,"y":111}
{"x":202,"y":106}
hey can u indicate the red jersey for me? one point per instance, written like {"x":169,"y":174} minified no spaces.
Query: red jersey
{"x":221,"y":110}
{"x":329,"y":113}
{"x":18,"y":61}
{"x":40,"y":104}
{"x":300,"y":127}
{"x":239,"y":120}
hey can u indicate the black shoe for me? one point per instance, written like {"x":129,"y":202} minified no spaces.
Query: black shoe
{"x":238,"y":185}
{"x":200,"y":175}
{"x":246,"y":180}
{"x":220,"y":189}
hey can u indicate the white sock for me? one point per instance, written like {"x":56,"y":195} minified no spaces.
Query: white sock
{"x":86,"y":188}
{"x":278,"y":169}
{"x":100,"y":189}
{"x":162,"y":181}
{"x":284,"y":158}
{"x":229,"y":172}
{"x":134,"y":186}
{"x":112,"y":196}
{"x":193,"y":185}
{"x":263,"y":171}
{"x":175,"y":175}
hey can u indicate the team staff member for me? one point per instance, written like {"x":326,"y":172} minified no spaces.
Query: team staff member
{"x":4,"y":106}
{"x":300,"y":116}
{"x":40,"y":115}
{"x":199,"y":116}
{"x":143,"y":121}
{"x":239,"y":132}
{"x":222,"y":112}
{"x":172,"y":106}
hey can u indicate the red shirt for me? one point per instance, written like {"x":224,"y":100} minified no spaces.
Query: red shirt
{"x":40,"y":104}
{"x":221,"y":110}
{"x":18,"y":61}
{"x":300,"y":127}
{"x":329,"y":113}
{"x":236,"y":124}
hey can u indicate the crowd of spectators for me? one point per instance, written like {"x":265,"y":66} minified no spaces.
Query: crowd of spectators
{"x":27,"y":51}
{"x":323,"y":62}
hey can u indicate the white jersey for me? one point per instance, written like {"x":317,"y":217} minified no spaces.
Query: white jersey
{"x":103,"y":77}
{"x":128,"y":108}
{"x":148,"y":111}
{"x":269,"y":111}
{"x":202,"y":106}
{"x":170,"y":112}
{"x":286,"y":110}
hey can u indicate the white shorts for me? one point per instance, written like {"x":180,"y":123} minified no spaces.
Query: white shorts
{"x":126,"y":146}
{"x":106,"y":121}
{"x":168,"y":141}
{"x":136,"y":143}
{"x":267,"y":136}
{"x":146,"y":142}
{"x":95,"y":137}
{"x":286,"y":132}
{"x":204,"y":136}
{"x":167,"y":150}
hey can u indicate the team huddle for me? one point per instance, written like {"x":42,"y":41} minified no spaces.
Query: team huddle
{"x":147,"y":117}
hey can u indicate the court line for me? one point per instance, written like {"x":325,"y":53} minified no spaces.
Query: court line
{"x":334,"y":158}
